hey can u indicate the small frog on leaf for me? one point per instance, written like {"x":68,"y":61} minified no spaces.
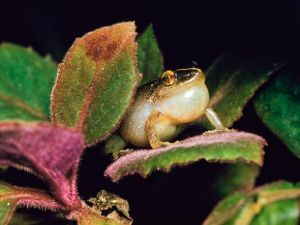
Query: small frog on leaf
{"x":163,"y":108}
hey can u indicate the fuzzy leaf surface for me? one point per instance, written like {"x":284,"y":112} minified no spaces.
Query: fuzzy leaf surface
{"x":272,"y":204}
{"x":11,"y":197}
{"x":26,"y":80}
{"x":96,"y":81}
{"x":214,"y":147}
{"x":150,"y":59}
{"x":278,"y":105}
{"x":50,"y":152}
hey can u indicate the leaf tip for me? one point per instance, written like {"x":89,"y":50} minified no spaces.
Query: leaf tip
{"x":113,"y":36}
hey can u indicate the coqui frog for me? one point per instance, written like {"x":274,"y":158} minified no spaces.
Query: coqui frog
{"x":164,"y":107}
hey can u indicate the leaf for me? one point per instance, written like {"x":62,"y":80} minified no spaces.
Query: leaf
{"x":87,"y":216}
{"x":271,"y":204}
{"x":96,"y":81}
{"x":237,"y":177}
{"x":226,"y":209}
{"x":233,"y":79}
{"x":114,"y":144}
{"x":12,"y":196}
{"x":51,"y":152}
{"x":278,"y":213}
{"x":150,"y":59}
{"x":37,"y":217}
{"x":26,"y":80}
{"x":278,"y":106}
{"x":213,"y":147}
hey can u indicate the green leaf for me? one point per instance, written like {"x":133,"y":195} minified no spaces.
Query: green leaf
{"x":226,"y":209}
{"x":150,"y":59}
{"x":114,"y":144}
{"x":284,"y":212}
{"x":11,"y":197}
{"x":96,"y":81}
{"x":273,"y":204}
{"x":26,"y":80}
{"x":214,"y":147}
{"x":7,"y":208}
{"x":233,"y":79}
{"x":278,"y":105}
{"x":237,"y":177}
{"x":37,"y":217}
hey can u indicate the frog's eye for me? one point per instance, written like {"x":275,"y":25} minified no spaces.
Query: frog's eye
{"x":168,"y":77}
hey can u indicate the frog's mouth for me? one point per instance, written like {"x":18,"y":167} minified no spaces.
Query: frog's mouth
{"x":186,"y":75}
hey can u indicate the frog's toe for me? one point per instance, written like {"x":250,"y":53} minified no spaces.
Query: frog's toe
{"x":218,"y":130}
{"x":166,"y":143}
{"x":226,"y":130}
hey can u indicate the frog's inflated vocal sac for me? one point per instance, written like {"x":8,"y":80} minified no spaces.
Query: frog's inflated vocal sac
{"x":164,"y":107}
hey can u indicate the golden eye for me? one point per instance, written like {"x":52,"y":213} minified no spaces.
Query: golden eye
{"x":168,"y":77}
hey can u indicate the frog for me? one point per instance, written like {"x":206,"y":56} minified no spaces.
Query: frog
{"x":164,"y":107}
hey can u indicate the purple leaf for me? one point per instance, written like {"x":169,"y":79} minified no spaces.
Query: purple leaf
{"x":228,"y":147}
{"x":51,"y":152}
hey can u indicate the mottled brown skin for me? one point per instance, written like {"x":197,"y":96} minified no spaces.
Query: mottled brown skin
{"x":163,"y":108}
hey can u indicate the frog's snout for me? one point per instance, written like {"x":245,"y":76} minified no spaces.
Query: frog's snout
{"x":189,"y":74}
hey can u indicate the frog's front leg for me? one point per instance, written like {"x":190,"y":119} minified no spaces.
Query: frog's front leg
{"x":215,"y":120}
{"x":151,"y":132}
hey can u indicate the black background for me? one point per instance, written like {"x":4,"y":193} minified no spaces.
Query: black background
{"x":187,"y":31}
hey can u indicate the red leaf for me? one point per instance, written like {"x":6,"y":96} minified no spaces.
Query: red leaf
{"x":51,"y":152}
